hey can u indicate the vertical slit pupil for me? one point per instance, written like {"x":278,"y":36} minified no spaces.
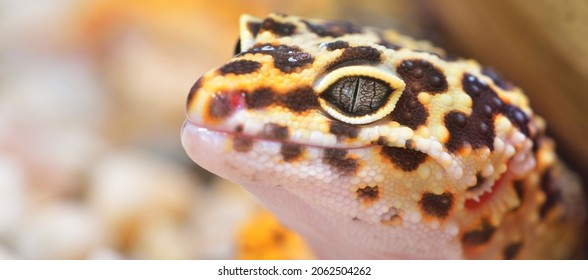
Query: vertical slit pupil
{"x":357,"y":95}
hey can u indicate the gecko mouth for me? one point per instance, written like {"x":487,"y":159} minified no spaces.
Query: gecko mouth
{"x":270,"y":133}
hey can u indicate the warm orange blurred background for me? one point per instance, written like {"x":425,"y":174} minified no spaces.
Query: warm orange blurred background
{"x":92,"y":100}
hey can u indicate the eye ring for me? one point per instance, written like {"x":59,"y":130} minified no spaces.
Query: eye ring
{"x":359,"y":94}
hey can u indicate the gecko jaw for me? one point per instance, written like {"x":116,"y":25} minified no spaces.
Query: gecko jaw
{"x":188,"y":124}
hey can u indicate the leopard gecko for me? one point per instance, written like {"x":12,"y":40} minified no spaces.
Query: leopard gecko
{"x":374,"y":145}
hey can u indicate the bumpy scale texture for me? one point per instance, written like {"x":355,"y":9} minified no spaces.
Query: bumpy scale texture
{"x":371,"y":144}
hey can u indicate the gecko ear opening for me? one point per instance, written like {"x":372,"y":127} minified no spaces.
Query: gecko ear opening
{"x":248,"y":28}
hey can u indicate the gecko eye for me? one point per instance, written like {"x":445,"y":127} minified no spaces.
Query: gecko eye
{"x":359,"y":94}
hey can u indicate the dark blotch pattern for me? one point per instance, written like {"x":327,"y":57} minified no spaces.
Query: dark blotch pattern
{"x":422,"y":75}
{"x":253,"y":27}
{"x":338,"y":159}
{"x":274,"y":131}
{"x":286,"y":58}
{"x":333,"y":28}
{"x":552,"y":192}
{"x":356,"y":56}
{"x":278,"y":28}
{"x":297,"y":100}
{"x":477,"y":129}
{"x":300,"y":99}
{"x":405,"y":159}
{"x":240,"y":67}
{"x":511,"y":250}
{"x":497,"y":78}
{"x":260,"y":98}
{"x":368,"y":194}
{"x":342,"y":130}
{"x":419,"y":75}
{"x":479,"y":235}
{"x":290,"y":151}
{"x":517,"y":117}
{"x":409,"y":111}
{"x":436,"y":205}
{"x":337,"y":45}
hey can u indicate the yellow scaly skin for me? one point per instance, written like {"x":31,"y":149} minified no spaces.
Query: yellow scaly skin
{"x":371,"y":144}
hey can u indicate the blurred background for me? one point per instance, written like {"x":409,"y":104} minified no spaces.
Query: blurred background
{"x":92,"y":100}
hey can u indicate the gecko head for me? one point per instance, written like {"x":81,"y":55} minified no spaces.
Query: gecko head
{"x":337,"y":126}
{"x":302,"y":75}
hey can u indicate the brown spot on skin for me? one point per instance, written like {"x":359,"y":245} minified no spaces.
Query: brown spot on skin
{"x":511,"y":250}
{"x":193,"y":90}
{"x":479,"y":235}
{"x":429,"y":78}
{"x":356,"y":56}
{"x":368,"y":195}
{"x":333,"y":28}
{"x":300,"y":99}
{"x":341,"y":130}
{"x":260,"y":98}
{"x":337,"y":159}
{"x":290,"y":152}
{"x":477,"y":129}
{"x":552,"y":192}
{"x":497,"y":78}
{"x":436,"y":205}
{"x":239,"y":67}
{"x":405,"y":159}
{"x":253,"y":27}
{"x":278,"y":28}
{"x":286,"y":58}
{"x":274,"y":131}
{"x":337,"y":45}
{"x":242,"y":144}
{"x":220,"y":106}
{"x":409,"y":111}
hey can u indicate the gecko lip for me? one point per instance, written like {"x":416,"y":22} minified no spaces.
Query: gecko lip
{"x":188,"y":124}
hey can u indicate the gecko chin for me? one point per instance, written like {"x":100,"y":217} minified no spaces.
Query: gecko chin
{"x":319,"y":190}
